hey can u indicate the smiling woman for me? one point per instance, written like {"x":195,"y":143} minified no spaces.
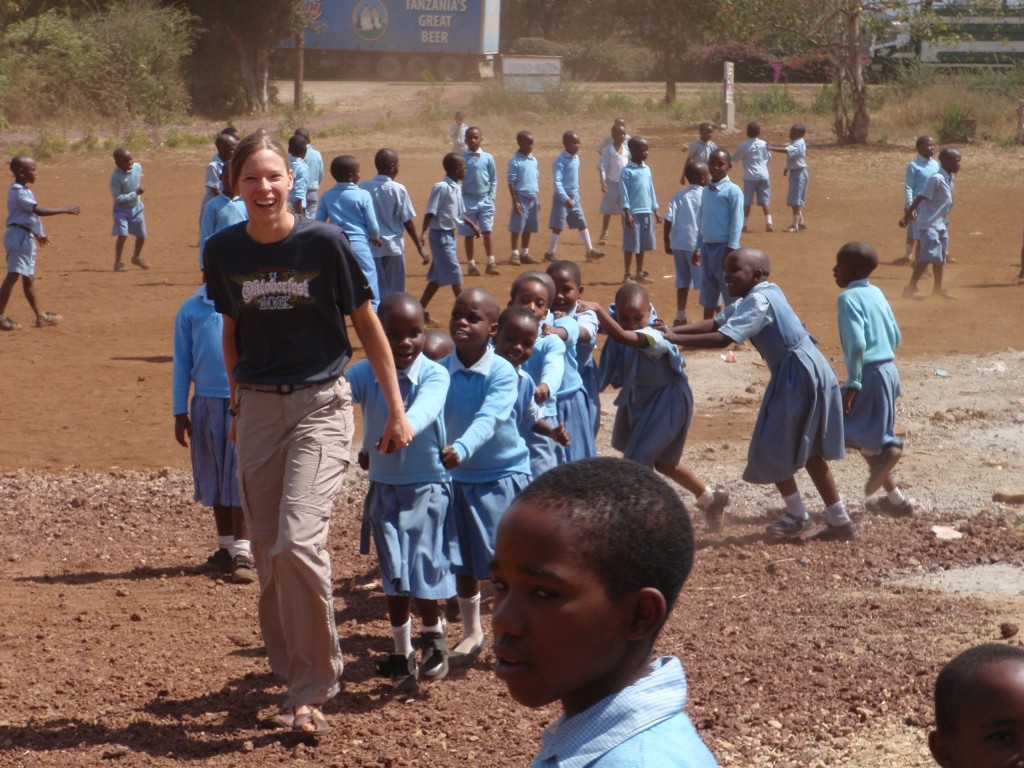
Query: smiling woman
{"x":284,"y":285}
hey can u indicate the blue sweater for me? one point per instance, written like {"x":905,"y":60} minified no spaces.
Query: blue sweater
{"x":351,"y":208}
{"x":638,"y":189}
{"x":424,"y":387}
{"x":867,"y":329}
{"x":721,"y":214}
{"x":480,"y":415}
{"x":198,"y":354}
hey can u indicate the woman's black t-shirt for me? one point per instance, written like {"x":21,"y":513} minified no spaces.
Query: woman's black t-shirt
{"x":288,"y":300}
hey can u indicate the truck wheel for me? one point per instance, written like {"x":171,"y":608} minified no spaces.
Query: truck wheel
{"x":416,"y":67}
{"x":449,"y":68}
{"x":388,"y":68}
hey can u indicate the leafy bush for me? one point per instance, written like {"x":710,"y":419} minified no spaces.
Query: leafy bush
{"x":955,"y":124}
{"x":753,"y":63}
{"x":824,"y":101}
{"x":773,"y":101}
{"x":611,"y":103}
{"x":48,"y":145}
{"x":537,"y":46}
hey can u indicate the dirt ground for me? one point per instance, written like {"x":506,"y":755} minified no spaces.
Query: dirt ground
{"x":112,"y":649}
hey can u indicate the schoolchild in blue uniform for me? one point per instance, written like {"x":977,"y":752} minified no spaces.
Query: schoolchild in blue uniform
{"x":655,"y":404}
{"x":478,"y":192}
{"x":568,"y":290}
{"x":315,"y":164}
{"x":757,"y":185}
{"x":919,"y":170}
{"x":682,"y":224}
{"x":446,"y":210}
{"x":232,"y":213}
{"x":300,"y":175}
{"x":208,"y":221}
{"x":351,"y":208}
{"x":800,"y":423}
{"x":126,"y":189}
{"x":523,"y":179}
{"x":614,"y":157}
{"x":408,"y":505}
{"x":23,"y":236}
{"x":225,"y":144}
{"x":516,"y":337}
{"x":585,"y":575}
{"x":700,"y":149}
{"x":639,"y":210}
{"x":199,"y":366}
{"x":721,"y":222}
{"x":931,"y":208}
{"x":566,"y":206}
{"x":487,"y":457}
{"x":869,"y":335}
{"x":395,"y":216}
{"x":796,"y":169}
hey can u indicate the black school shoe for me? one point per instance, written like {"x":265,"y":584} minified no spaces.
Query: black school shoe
{"x":879,"y":467}
{"x":844,"y":532}
{"x":403,"y":672}
{"x":218,"y":562}
{"x":434,"y":665}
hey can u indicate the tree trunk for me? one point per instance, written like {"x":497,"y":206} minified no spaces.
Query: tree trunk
{"x":249,"y":66}
{"x":300,"y":69}
{"x":858,"y":119}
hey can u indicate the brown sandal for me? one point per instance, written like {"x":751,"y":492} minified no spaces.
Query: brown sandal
{"x":310,"y":723}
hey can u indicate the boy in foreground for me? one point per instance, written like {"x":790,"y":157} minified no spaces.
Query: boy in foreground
{"x":979,"y":709}
{"x":585,"y":574}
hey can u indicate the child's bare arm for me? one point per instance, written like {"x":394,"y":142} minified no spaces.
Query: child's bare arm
{"x":911,"y":212}
{"x":515,"y":198}
{"x":182,"y":427}
{"x":472,"y":225}
{"x":613,"y":329}
{"x":72,"y":210}
{"x":668,"y":236}
{"x":701,"y":335}
{"x":557,"y":433}
{"x":425,"y":228}
{"x":550,"y":330}
{"x":410,"y":227}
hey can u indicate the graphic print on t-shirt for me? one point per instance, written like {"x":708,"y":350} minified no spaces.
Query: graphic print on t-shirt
{"x":276,"y":288}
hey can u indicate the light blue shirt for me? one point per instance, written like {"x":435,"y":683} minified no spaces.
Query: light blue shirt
{"x":796,"y":155}
{"x":721,"y":214}
{"x":232,"y":213}
{"x":642,"y":725}
{"x":481,"y":174}
{"x":754,"y":155}
{"x":572,"y":382}
{"x":393,"y":208}
{"x":546,"y":365}
{"x":214,"y":169}
{"x":297,"y":194}
{"x":315,"y":164}
{"x":867,"y":329}
{"x":123,"y":185}
{"x":446,"y":205}
{"x":638,"y":189}
{"x":351,"y":208}
{"x":479,"y":415}
{"x":523,"y":174}
{"x":208,"y":222}
{"x":919,"y":170}
{"x":566,"y":175}
{"x":746,"y":317}
{"x":933,"y":211}
{"x":198,"y":353}
{"x":683,"y":214}
{"x":21,"y":208}
{"x":699,"y":152}
{"x":424,"y":388}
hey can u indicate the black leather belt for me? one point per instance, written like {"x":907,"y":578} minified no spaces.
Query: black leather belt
{"x":279,"y":389}
{"x":21,"y":226}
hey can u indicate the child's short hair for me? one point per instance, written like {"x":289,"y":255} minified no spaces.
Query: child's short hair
{"x":921,"y":141}
{"x":948,"y":153}
{"x":632,"y":293}
{"x":476,"y":128}
{"x":862,"y":254}
{"x":437,"y":344}
{"x":956,"y":682}
{"x":523,"y":136}
{"x":225,"y":140}
{"x":631,"y":528}
{"x":384,"y":159}
{"x":634,"y":142}
{"x":530,"y":276}
{"x":705,"y":126}
{"x":120,"y":153}
{"x":568,"y":136}
{"x":297,"y":145}
{"x":342,"y":168}
{"x":393,"y":301}
{"x":303,"y":132}
{"x":724,"y":153}
{"x":18,"y":162}
{"x":569,"y":267}
{"x":799,"y":129}
{"x":452,"y":161}
{"x":232,"y":131}
{"x":753,"y":130}
{"x":517,"y":313}
{"x":694,"y":172}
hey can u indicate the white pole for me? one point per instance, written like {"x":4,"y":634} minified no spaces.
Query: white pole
{"x":729,"y":106}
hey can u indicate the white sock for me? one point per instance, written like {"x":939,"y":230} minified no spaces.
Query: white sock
{"x":554,"y":243}
{"x":472,"y":632}
{"x":705,"y":499}
{"x":796,"y":220}
{"x":490,"y":259}
{"x":587,"y":242}
{"x":240,"y":546}
{"x":795,"y":506}
{"x":909,"y":251}
{"x":515,"y":254}
{"x":525,"y":252}
{"x":896,"y":496}
{"x":439,"y":627}
{"x":225,"y":542}
{"x":403,"y":638}
{"x":768,"y":220}
{"x":836,"y":514}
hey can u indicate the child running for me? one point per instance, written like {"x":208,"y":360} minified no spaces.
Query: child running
{"x":23,"y":238}
{"x":407,"y":507}
{"x":614,"y":157}
{"x":869,"y":335}
{"x":524,"y":187}
{"x":199,"y":366}
{"x":566,"y":206}
{"x":655,"y":404}
{"x":639,"y":210}
{"x":930,"y":214}
{"x":126,"y":189}
{"x":489,"y":461}
{"x":585,"y":576}
{"x":517,"y":334}
{"x":979,"y":709}
{"x":682,"y":226}
{"x":796,"y":169}
{"x":800,"y":423}
{"x":393,"y":208}
{"x":479,"y":189}
{"x":754,"y":155}
{"x":721,"y":222}
{"x":446,"y":211}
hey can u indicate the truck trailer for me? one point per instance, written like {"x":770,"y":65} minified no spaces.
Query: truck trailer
{"x":399,"y":39}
